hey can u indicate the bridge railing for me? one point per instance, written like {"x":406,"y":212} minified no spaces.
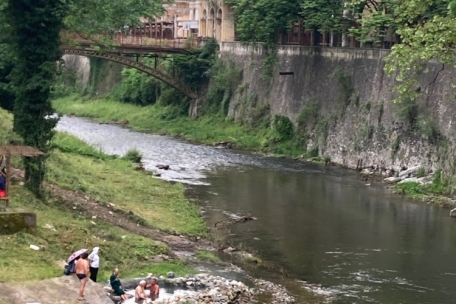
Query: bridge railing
{"x":121,"y":39}
{"x":187,"y":43}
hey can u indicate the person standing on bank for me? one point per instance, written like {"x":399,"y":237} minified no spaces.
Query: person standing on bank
{"x":82,"y":272}
{"x":94,"y":264}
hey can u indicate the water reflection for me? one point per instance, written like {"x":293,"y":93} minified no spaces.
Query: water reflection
{"x":362,"y":242}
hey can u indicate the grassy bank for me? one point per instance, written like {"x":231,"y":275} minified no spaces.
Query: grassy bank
{"x":77,"y":166}
{"x":208,"y":129}
{"x":62,"y":230}
{"x":439,"y":191}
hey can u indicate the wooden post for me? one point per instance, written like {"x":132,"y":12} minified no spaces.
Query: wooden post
{"x":8,"y":174}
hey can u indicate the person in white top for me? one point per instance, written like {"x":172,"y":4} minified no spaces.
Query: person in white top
{"x":94,"y":263}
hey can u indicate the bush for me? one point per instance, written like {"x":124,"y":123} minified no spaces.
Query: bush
{"x":313,"y":152}
{"x":421,"y":172}
{"x":133,"y":155}
{"x":283,"y":128}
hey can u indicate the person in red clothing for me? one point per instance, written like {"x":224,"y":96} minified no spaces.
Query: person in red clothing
{"x":2,"y":184}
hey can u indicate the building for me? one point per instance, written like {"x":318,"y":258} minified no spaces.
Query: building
{"x":216,"y":20}
{"x":199,"y":18}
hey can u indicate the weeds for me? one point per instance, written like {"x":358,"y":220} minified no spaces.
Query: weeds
{"x":133,"y":155}
{"x":208,"y":256}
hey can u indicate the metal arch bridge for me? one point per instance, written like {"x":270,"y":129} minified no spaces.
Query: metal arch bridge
{"x":127,"y":50}
{"x":127,"y":61}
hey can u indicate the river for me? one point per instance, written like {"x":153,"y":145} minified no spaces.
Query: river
{"x":323,"y":225}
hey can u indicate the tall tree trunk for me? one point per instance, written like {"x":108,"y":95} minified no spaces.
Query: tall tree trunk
{"x":36,"y":26}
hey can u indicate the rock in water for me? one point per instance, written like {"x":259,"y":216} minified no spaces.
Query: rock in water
{"x":453,"y":212}
{"x":170,"y":275}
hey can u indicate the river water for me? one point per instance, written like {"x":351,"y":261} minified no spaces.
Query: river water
{"x":322,"y":225}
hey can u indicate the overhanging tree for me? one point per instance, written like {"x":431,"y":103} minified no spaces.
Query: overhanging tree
{"x":427,"y":32}
{"x":35,"y":27}
{"x":34,"y":42}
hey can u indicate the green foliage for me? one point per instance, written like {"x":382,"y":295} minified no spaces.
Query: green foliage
{"x":283,"y":128}
{"x":224,"y":77}
{"x":426,"y":32}
{"x":323,"y":15}
{"x":395,"y":146}
{"x":133,"y":155}
{"x":35,"y":28}
{"x":114,"y":180}
{"x":345,"y":85}
{"x":378,"y":20}
{"x":137,"y":87}
{"x":207,"y":256}
{"x":261,"y":20}
{"x":313,"y":152}
{"x":92,"y":17}
{"x":308,"y":114}
{"x":421,"y":172}
{"x":66,"y":143}
{"x":192,"y":68}
{"x":65,"y":82}
{"x":141,"y":89}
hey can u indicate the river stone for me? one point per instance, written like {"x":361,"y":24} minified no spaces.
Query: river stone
{"x":453,"y":212}
{"x":412,"y":171}
{"x":392,"y":180}
{"x":170,"y":275}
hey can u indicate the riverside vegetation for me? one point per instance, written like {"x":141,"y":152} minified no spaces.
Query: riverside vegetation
{"x":163,"y":115}
{"x":75,"y":166}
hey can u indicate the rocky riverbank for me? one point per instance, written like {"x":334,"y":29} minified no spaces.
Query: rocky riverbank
{"x":416,"y":182}
{"x":211,"y":289}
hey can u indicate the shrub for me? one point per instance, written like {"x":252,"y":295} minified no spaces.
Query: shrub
{"x":313,"y":152}
{"x":421,"y":172}
{"x":284,"y":128}
{"x":133,"y":155}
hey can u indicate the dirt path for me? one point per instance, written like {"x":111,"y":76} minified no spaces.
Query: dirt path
{"x":52,"y":291}
{"x":179,"y":245}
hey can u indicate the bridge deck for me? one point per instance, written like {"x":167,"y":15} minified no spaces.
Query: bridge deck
{"x":131,"y":45}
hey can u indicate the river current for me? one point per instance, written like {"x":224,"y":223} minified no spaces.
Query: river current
{"x":360,"y":243}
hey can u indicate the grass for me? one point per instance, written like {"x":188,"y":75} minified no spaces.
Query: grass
{"x":118,"y":248}
{"x":77,"y":166}
{"x":133,"y":155}
{"x":114,"y":180}
{"x":436,"y":191}
{"x":205,"y":255}
{"x":207,"y":129}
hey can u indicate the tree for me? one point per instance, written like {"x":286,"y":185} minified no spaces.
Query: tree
{"x":262,"y":20}
{"x":427,"y":33}
{"x":322,"y":15}
{"x":94,"y":17}
{"x":377,"y":19}
{"x":35,"y":27}
{"x":30,"y":33}
{"x":6,"y":63}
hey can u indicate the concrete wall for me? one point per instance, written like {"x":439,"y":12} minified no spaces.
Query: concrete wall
{"x":357,"y":119}
{"x":12,"y":222}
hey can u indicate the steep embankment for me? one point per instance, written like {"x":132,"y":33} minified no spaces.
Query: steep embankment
{"x":341,"y":99}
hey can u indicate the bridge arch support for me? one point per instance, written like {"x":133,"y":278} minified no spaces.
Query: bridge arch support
{"x":137,"y":65}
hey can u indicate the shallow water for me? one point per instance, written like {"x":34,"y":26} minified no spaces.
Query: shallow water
{"x":361,"y":243}
{"x":164,"y":295}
